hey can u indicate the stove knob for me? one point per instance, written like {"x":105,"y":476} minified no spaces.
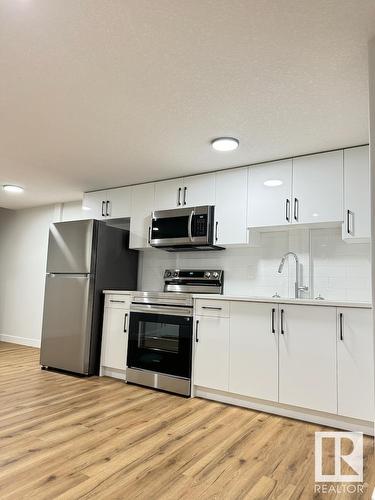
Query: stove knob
{"x":167,"y":274}
{"x":215,"y":275}
{"x":207,"y":274}
{"x":175,"y":274}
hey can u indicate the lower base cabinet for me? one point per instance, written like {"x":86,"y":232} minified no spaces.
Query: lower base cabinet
{"x":253,"y":360}
{"x":307,"y":357}
{"x":115,"y":338}
{"x":355,"y":363}
{"x":211,"y":353}
{"x":312,"y":357}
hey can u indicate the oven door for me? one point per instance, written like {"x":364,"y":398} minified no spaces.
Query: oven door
{"x":183,"y":226}
{"x":160,"y":343}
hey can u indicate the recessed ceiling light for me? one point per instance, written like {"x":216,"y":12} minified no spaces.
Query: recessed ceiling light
{"x":9,"y":188}
{"x":273,"y":183}
{"x":225,"y":144}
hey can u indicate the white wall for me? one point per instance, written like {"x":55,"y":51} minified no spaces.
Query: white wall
{"x":23,"y":251}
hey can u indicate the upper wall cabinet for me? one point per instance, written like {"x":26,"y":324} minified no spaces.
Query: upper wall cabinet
{"x":199,"y":190}
{"x":185,"y":192}
{"x":357,"y":209}
{"x":270,"y":194}
{"x":231,"y":207}
{"x":168,"y":194}
{"x":109,"y":204}
{"x":318,"y":188}
{"x":142,"y":204}
{"x":95,"y":204}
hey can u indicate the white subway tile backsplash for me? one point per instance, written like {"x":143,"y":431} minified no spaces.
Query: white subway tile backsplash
{"x":330,"y":267}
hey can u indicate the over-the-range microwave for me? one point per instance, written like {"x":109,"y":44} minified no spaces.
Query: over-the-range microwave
{"x":184,"y":229}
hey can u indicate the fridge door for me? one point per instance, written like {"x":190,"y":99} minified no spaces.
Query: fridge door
{"x":70,"y":247}
{"x":67,"y":322}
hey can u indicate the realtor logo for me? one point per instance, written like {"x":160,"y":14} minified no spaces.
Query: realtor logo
{"x":347,"y":466}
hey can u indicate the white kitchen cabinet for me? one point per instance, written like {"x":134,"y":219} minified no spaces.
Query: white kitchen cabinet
{"x":253,"y":358}
{"x":169,"y":194}
{"x":211,"y":352}
{"x":142,"y":204}
{"x":199,"y":190}
{"x":357,"y":205}
{"x":307,"y":357}
{"x":119,"y":202}
{"x":355,"y":360}
{"x":318,"y":188}
{"x":115,"y":336}
{"x":270,"y":194}
{"x":231,"y":207}
{"x":95,"y":204}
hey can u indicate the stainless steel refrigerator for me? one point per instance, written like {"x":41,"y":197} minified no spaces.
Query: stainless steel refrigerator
{"x":84,"y":258}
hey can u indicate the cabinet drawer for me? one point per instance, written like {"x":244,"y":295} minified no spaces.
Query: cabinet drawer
{"x":118,"y":301}
{"x":216,"y":308}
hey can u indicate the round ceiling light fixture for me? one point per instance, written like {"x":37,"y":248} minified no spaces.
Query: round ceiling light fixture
{"x":225,"y":143}
{"x":11,"y":188}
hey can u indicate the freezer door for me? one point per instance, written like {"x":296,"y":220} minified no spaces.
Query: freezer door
{"x":67,"y":322}
{"x":70,"y":247}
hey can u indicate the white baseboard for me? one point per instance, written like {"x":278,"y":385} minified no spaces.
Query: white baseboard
{"x":306,"y":415}
{"x":20,"y":340}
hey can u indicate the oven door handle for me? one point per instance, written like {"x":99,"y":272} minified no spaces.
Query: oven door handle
{"x":166,"y":310}
{"x":190,"y":224}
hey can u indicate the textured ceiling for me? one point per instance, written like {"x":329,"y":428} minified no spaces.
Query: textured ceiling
{"x":97,"y":93}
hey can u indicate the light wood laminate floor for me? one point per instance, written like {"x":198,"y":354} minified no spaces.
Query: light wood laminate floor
{"x":68,"y":437}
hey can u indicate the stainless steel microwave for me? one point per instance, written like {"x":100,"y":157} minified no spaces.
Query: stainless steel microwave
{"x":184,"y":229}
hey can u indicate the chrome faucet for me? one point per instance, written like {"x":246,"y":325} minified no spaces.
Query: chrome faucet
{"x":297,"y":287}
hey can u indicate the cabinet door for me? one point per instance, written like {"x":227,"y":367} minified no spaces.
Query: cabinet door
{"x":211,"y":355}
{"x":269,"y":194}
{"x":94,"y":204}
{"x":142,"y":204}
{"x":199,"y":190}
{"x":115,"y":338}
{"x":168,"y":194}
{"x":355,"y":354}
{"x":307,"y":357}
{"x":231,"y":207}
{"x":357,"y":226}
{"x":318,"y":188}
{"x":119,"y":202}
{"x":253,"y":360}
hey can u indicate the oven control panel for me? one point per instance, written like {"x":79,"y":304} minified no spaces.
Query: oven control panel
{"x":182,"y":275}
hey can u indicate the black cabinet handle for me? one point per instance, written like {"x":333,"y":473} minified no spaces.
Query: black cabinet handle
{"x":213,"y":308}
{"x":296,"y":209}
{"x":125,"y":320}
{"x":107,"y":208}
{"x":179,"y":197}
{"x":287,"y":210}
{"x":273,"y":320}
{"x":282,"y":322}
{"x":341,"y":326}
{"x":185,"y":191}
{"x":196,"y":331}
{"x":149,"y":235}
{"x":216,"y":226}
{"x":103,"y":208}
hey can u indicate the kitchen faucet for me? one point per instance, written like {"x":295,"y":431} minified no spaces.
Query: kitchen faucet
{"x":297,"y":287}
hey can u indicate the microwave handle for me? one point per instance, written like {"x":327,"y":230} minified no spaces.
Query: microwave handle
{"x":190,"y":224}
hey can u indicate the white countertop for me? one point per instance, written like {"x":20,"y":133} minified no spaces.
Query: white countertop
{"x":281,"y":300}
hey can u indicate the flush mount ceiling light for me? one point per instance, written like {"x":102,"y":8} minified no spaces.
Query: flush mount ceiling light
{"x":9,"y":188}
{"x":273,"y":183}
{"x":225,"y":144}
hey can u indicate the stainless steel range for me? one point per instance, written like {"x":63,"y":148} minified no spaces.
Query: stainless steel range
{"x":161,"y":330}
